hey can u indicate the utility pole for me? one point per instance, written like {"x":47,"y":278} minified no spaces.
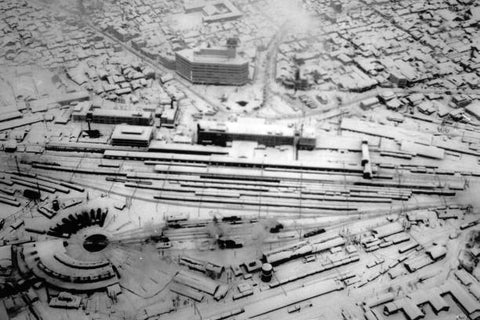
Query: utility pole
{"x":16,"y":162}
{"x":298,"y":135}
{"x":38,"y":189}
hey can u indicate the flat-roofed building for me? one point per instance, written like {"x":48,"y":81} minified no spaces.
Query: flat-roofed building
{"x":134,"y":136}
{"x":112,"y":116}
{"x":169,"y":116}
{"x":85,"y":112}
{"x":252,"y":129}
{"x":214,"y":11}
{"x":219,"y":65}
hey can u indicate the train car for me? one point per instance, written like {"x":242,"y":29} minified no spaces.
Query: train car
{"x":179,"y":217}
{"x":313,"y":232}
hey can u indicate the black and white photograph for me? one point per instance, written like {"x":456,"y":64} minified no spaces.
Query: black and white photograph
{"x":239,"y":159}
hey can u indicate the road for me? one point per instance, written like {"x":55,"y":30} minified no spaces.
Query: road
{"x":158,"y":67}
{"x":269,"y":74}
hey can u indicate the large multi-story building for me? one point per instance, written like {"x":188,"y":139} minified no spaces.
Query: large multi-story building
{"x":220,"y":65}
{"x":252,"y":129}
